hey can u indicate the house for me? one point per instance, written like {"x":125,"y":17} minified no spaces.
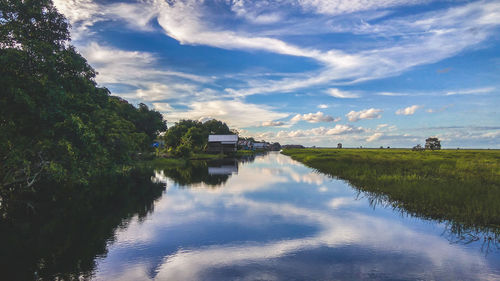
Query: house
{"x":222,"y":143}
{"x":261,"y":145}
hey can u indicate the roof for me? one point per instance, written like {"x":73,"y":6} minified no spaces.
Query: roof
{"x":222,"y":138}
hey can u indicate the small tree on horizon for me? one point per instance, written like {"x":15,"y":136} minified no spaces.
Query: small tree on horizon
{"x":432,"y":144}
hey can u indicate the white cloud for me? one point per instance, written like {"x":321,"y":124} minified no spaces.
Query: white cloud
{"x":341,"y":94}
{"x":374,"y":137}
{"x":410,"y":110}
{"x":371,"y":113}
{"x":344,"y":129}
{"x":183,"y":21}
{"x":471,"y":91}
{"x":385,"y":127}
{"x":314,"y":118}
{"x":339,"y":129}
{"x":441,"y":109}
{"x":155,"y":92}
{"x":130,"y":67}
{"x":272,"y":123}
{"x":162,"y":107}
{"x":250,"y":11}
{"x":235,"y":113}
{"x":323,"y":106}
{"x":421,"y":39}
{"x":82,"y":14}
{"x":391,"y":94}
{"x":338,"y":7}
{"x":413,"y":40}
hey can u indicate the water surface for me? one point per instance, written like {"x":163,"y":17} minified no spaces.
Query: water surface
{"x":275,"y":219}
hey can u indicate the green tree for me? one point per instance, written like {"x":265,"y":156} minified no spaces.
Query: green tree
{"x":55,"y":123}
{"x":217,"y":127}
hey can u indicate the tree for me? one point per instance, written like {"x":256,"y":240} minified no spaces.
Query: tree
{"x":417,"y":147}
{"x":216,"y":127}
{"x":55,"y":123}
{"x":197,"y":136}
{"x":433,"y":144}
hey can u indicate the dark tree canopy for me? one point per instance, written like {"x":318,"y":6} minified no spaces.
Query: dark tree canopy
{"x":55,"y":122}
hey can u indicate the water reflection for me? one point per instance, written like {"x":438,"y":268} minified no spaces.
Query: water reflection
{"x":486,"y":236}
{"x":278,"y":220}
{"x":62,"y":232}
{"x":269,"y":218}
{"x":211,"y":173}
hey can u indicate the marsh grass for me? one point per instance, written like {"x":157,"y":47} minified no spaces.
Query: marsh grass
{"x":459,"y":187}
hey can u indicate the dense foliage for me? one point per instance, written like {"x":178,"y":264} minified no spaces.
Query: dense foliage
{"x":189,"y":135}
{"x":55,"y":122}
{"x":461,"y":186}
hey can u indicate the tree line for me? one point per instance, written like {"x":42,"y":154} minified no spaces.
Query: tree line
{"x":56,"y":123}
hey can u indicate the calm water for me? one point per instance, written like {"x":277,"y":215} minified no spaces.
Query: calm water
{"x":275,"y":219}
{"x":271,"y":218}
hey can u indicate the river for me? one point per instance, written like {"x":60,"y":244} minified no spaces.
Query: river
{"x":268,"y":218}
{"x":275,"y":219}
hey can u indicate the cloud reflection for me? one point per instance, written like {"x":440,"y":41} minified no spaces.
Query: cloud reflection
{"x":349,"y":238}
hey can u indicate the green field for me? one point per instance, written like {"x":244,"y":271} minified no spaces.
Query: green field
{"x":461,"y":187}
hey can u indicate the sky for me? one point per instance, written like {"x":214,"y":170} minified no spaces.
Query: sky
{"x":365,"y":73}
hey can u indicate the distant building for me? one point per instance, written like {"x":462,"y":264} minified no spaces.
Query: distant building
{"x":261,"y":145}
{"x":339,"y":145}
{"x":222,"y":143}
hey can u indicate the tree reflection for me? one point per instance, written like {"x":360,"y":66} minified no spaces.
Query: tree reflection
{"x":65,"y":228}
{"x":211,"y":173}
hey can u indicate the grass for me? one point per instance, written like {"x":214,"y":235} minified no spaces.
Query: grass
{"x":458,"y":186}
{"x":206,"y":156}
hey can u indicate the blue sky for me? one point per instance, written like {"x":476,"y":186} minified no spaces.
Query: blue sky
{"x":361,"y":72}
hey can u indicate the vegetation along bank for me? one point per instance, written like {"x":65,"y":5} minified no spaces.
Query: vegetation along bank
{"x":461,"y":186}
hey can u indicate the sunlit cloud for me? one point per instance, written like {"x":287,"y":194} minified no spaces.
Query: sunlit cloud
{"x":314,"y":118}
{"x":235,"y":113}
{"x":410,"y":110}
{"x":272,"y":123}
{"x":341,"y":94}
{"x":371,"y":113}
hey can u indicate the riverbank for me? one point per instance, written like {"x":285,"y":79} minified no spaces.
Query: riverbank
{"x":458,"y":185}
{"x":176,"y":162}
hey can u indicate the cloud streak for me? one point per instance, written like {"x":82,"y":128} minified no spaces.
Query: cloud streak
{"x":421,"y":39}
